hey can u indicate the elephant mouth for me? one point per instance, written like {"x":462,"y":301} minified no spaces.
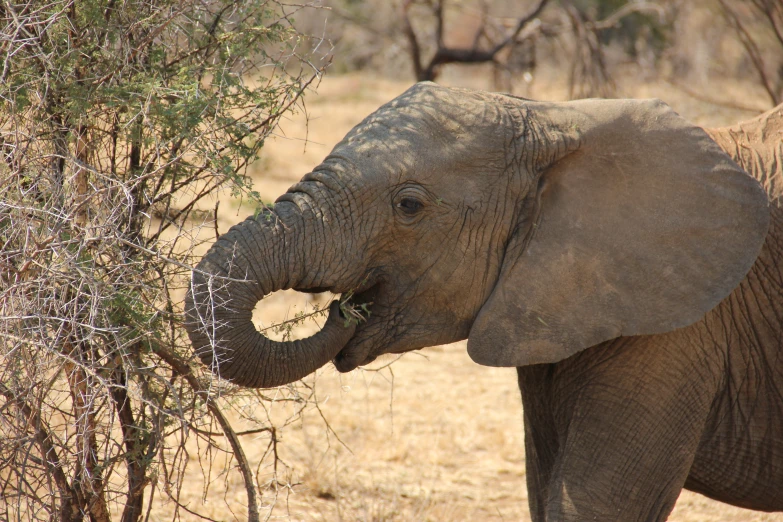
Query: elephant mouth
{"x":349,"y":359}
{"x":357,"y":351}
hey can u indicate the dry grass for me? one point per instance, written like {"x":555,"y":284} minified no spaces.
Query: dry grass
{"x":433,"y":436}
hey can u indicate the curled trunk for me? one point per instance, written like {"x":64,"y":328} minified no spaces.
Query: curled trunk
{"x":254,"y":258}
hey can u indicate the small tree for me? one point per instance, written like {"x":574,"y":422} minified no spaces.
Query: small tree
{"x":119,"y":123}
{"x":585,"y":27}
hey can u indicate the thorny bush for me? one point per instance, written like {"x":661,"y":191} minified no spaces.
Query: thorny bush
{"x":119,"y":124}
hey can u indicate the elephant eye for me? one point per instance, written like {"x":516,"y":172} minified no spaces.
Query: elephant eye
{"x":409,"y":205}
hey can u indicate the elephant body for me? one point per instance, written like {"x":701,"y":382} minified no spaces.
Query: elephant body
{"x":617,"y":255}
{"x":713,"y":391}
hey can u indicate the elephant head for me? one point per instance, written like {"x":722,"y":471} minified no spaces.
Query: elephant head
{"x":532,"y":229}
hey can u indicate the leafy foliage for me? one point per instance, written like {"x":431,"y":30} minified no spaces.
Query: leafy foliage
{"x":119,"y":123}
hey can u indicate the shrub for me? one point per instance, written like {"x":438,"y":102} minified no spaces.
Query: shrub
{"x":119,"y":124}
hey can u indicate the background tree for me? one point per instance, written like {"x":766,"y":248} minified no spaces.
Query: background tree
{"x":589,"y":25}
{"x":119,"y":124}
{"x":758,"y":26}
{"x":589,"y":43}
{"x":427,"y":69}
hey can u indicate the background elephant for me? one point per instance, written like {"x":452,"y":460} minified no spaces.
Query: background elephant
{"x":537,"y":230}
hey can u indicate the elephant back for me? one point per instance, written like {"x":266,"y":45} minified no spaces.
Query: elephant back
{"x":757,"y":146}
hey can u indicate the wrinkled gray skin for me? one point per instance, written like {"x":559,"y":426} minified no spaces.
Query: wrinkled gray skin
{"x":608,"y":249}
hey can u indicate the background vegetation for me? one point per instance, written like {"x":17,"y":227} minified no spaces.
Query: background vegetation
{"x":593,"y":42}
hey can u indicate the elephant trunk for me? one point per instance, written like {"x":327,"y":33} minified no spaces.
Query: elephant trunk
{"x":254,"y":258}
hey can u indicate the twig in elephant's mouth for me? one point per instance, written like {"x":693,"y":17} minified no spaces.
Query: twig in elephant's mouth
{"x":355,"y":308}
{"x":299,"y":318}
{"x":352,"y":312}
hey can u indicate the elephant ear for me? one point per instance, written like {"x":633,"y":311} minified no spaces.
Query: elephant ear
{"x":642,"y":224}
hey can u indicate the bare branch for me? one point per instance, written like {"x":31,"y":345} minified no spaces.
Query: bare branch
{"x":751,"y":48}
{"x":183,"y":370}
{"x":413,"y":41}
{"x":715,"y":101}
{"x":521,"y":25}
{"x":615,"y":18}
{"x":49,"y":455}
{"x":773,"y":12}
{"x":444,"y":54}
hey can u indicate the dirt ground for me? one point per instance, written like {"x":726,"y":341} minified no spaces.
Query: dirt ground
{"x":432,"y":436}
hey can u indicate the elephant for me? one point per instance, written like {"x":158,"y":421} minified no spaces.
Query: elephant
{"x":624,"y":260}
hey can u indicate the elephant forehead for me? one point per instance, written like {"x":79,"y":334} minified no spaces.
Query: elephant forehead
{"x":428,"y":127}
{"x":430,"y":112}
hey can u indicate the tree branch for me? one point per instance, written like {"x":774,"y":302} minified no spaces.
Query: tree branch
{"x":444,"y":54}
{"x":714,"y":101}
{"x":182,"y":369}
{"x":413,"y":40}
{"x":521,"y":25}
{"x":88,"y":480}
{"x":769,"y":8}
{"x":752,"y":49}
{"x":68,"y":501}
{"x":613,"y":19}
{"x":135,"y":444}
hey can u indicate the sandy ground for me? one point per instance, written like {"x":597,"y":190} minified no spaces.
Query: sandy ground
{"x":432,"y":436}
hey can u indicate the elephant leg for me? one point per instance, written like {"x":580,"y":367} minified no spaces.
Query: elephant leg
{"x":541,"y":442}
{"x":614,"y":430}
